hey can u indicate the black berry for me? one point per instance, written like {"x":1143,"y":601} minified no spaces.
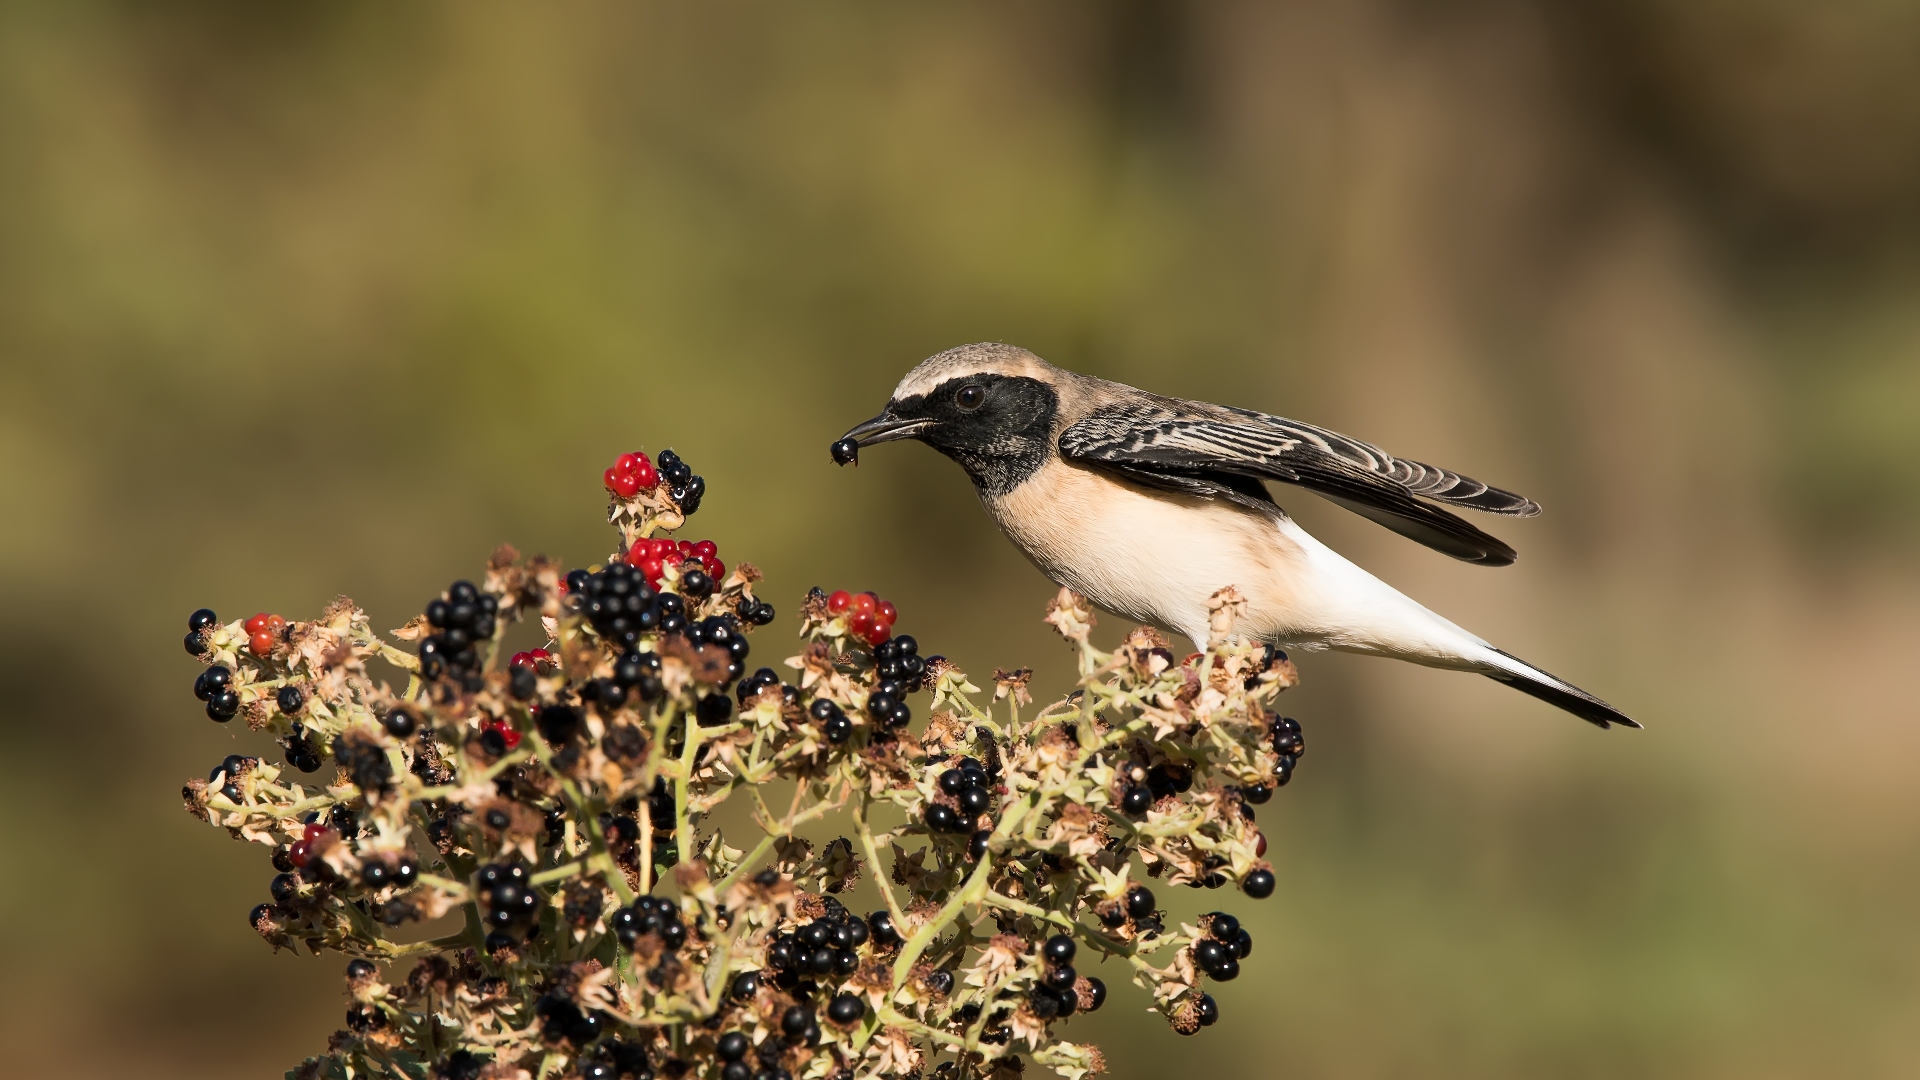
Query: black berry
{"x":1059,"y":949}
{"x":1209,"y":1011}
{"x":845,"y":452}
{"x":1140,"y":902}
{"x":290,"y":700}
{"x":844,"y":1009}
{"x":1136,"y":801}
{"x":202,"y":619}
{"x":401,"y":724}
{"x":1258,"y":884}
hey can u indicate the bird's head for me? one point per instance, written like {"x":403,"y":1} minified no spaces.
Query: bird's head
{"x":989,"y":407}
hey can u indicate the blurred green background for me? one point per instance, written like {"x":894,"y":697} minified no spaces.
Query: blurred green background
{"x":302,"y":299}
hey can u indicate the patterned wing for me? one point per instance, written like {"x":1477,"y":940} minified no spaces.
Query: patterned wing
{"x":1188,"y":446}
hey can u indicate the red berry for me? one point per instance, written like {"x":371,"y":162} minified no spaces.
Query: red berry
{"x":706,"y":549}
{"x":621,"y":484}
{"x":879,"y":633}
{"x":860,"y":624}
{"x":299,"y":853}
{"x":886,"y":613}
{"x":313,"y":832}
{"x":541,"y":656}
{"x":510,"y":736}
{"x":865,"y":603}
{"x":276,"y":623}
{"x":1259,"y":845}
{"x":262,"y":643}
{"x":257,"y":623}
{"x":646,"y":476}
{"x":652,"y":568}
{"x":521,"y":659}
{"x":714,"y":567}
{"x":629,"y":464}
{"x":840,"y":601}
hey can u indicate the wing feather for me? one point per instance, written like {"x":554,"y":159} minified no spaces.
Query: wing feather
{"x":1209,"y":450}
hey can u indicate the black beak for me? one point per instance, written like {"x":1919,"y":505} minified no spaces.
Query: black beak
{"x":882,"y":428}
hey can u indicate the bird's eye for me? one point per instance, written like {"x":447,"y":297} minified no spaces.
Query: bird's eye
{"x":969,"y":397}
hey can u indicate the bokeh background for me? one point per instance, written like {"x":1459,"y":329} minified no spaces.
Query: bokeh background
{"x":303,"y":299}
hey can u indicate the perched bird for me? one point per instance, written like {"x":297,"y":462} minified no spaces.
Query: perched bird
{"x":1147,"y":505}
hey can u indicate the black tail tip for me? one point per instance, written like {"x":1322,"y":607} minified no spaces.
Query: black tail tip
{"x":1562,"y":696}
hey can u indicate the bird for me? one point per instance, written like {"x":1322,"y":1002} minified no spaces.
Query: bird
{"x":1148,"y":505}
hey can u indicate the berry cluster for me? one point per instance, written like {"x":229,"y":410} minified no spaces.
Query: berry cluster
{"x":1226,"y":944}
{"x":869,"y":618}
{"x":966,"y":793}
{"x":634,"y":475}
{"x":510,"y":907}
{"x":630,"y":474}
{"x":653,"y":555}
{"x":806,"y":956}
{"x":563,"y":805}
{"x":215,"y":687}
{"x":263,"y":633}
{"x":1061,"y":990}
{"x":465,"y":620}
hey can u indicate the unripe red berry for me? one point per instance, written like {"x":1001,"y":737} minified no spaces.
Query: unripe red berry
{"x":879,"y":634}
{"x":714,"y":567}
{"x":840,"y":601}
{"x":706,"y":549}
{"x":886,"y":612}
{"x":860,"y":623}
{"x":865,"y":604}
{"x":261,"y":643}
{"x":625,"y":485}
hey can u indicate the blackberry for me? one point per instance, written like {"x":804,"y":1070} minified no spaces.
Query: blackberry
{"x":759,"y":613}
{"x":1096,"y":990}
{"x":883,"y":931}
{"x":845,"y":1010}
{"x":974,"y":801}
{"x":284,"y":888}
{"x":1136,"y":801}
{"x":1223,"y":926}
{"x":1258,"y":884}
{"x":1059,"y":949}
{"x":1283,"y":771}
{"x":222,"y":705}
{"x":1140,"y":902}
{"x":940,"y":982}
{"x":845,"y":452}
{"x":686,"y":489}
{"x":401,"y":724}
{"x":977,"y":844}
{"x":212,"y":681}
{"x":746,"y":985}
{"x":1288,"y":738}
{"x":731,"y":1047}
{"x":713,"y":709}
{"x":795,"y":1022}
{"x":201,"y":620}
{"x":1209,"y":1012}
{"x":941,"y":818}
{"x":1242,"y":944}
{"x":523,"y":684}
{"x":558,"y":724}
{"x":360,"y":969}
{"x":1060,"y":977}
{"x":1257,"y":795}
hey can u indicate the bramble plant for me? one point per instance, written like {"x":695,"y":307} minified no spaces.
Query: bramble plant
{"x":559,"y":805}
